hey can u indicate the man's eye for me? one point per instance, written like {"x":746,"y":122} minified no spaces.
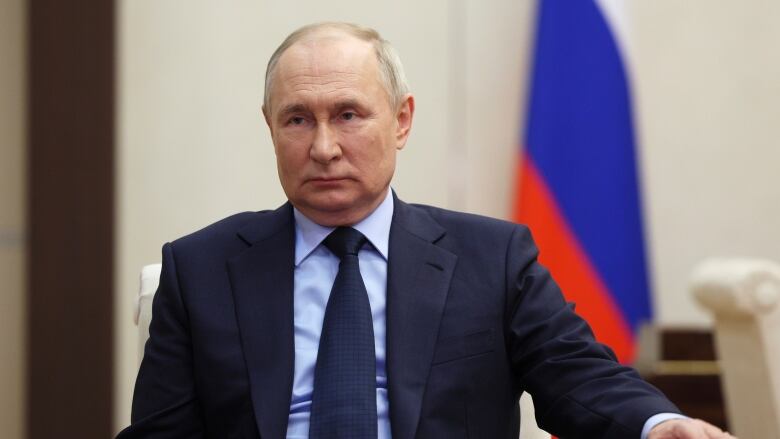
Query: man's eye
{"x":296,"y":120}
{"x":348,"y":115}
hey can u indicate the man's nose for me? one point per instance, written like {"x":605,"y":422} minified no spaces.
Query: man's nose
{"x":324,"y":147}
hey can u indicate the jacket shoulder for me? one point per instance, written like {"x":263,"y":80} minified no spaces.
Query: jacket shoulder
{"x":458,"y":223}
{"x":491,"y":240}
{"x":228,"y":225}
{"x":221,"y":234}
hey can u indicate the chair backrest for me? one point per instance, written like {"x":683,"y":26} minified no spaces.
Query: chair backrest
{"x":150,"y":278}
{"x":744,"y":297}
{"x":528,"y":427}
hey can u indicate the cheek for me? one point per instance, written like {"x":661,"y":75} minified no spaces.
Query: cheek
{"x":375,"y":158}
{"x":290,"y":155}
{"x":366,"y":145}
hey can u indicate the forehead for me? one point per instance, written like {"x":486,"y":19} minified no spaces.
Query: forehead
{"x":329,"y":47}
{"x":329,"y":64}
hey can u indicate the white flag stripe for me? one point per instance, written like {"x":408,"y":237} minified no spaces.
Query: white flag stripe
{"x":617,"y":15}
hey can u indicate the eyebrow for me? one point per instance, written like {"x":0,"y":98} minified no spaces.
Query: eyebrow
{"x":293,"y":108}
{"x":347,"y":103}
{"x":301,"y":108}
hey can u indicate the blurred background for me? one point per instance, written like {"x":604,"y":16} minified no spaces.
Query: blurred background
{"x":125,"y":124}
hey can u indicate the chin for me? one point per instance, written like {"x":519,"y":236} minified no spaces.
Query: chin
{"x":332,"y":201}
{"x":333,"y":209}
{"x":326,"y":203}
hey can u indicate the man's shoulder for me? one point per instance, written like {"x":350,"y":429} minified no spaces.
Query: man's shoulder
{"x":455,"y":221}
{"x":226,"y":230}
{"x":481,"y":241}
{"x":477,"y":235}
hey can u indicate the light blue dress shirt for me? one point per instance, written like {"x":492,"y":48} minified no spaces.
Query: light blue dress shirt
{"x":315,"y":271}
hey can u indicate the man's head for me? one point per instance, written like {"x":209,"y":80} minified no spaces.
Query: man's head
{"x":338,"y":108}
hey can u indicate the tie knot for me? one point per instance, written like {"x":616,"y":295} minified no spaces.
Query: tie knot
{"x":345,"y":241}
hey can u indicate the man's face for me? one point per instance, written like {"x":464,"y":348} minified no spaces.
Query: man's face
{"x":334,"y":130}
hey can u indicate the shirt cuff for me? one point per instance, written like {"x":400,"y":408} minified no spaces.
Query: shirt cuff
{"x":654,"y":420}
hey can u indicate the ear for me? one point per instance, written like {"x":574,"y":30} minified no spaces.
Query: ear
{"x":403,"y":118}
{"x":267,"y":117}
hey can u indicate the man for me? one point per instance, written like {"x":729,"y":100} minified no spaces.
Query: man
{"x":349,"y":313}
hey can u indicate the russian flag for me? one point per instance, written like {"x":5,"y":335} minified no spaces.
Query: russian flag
{"x":577,"y":187}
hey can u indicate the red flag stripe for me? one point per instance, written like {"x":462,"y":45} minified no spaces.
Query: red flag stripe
{"x":568,"y":262}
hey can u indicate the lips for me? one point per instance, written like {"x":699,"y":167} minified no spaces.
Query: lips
{"x":327,"y":179}
{"x":328,"y":182}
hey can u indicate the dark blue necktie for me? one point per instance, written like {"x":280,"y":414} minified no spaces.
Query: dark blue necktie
{"x":343,"y":402}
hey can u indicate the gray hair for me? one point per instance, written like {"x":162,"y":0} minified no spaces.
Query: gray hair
{"x":390,"y":67}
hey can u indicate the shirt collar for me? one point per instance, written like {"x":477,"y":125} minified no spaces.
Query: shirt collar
{"x":375,"y":227}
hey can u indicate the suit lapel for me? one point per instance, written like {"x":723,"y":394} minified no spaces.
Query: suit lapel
{"x":419,"y":274}
{"x":262,"y":283}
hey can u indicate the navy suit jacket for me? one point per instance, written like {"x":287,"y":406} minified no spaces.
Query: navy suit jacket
{"x":472,"y":321}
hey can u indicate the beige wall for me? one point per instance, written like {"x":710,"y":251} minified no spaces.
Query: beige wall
{"x":12,"y":179}
{"x":193,"y":148}
{"x":707,"y":82}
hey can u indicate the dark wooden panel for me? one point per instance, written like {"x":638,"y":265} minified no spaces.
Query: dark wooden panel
{"x":698,"y":396}
{"x":70,"y":218}
{"x":686,"y":370}
{"x":687,"y":344}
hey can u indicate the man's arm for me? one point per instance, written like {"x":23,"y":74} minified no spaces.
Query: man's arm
{"x":165,"y":403}
{"x":578,"y":387}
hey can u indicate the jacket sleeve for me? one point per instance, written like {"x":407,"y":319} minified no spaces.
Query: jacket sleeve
{"x":578,"y":387}
{"x":165,"y":401}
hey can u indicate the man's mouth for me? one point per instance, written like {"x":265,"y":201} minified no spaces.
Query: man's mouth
{"x":327,"y":181}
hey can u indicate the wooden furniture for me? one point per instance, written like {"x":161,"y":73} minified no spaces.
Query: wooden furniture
{"x":682,"y":363}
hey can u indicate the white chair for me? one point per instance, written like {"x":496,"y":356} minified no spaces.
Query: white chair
{"x":528,"y":427}
{"x":150,"y":278}
{"x":744,"y":297}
